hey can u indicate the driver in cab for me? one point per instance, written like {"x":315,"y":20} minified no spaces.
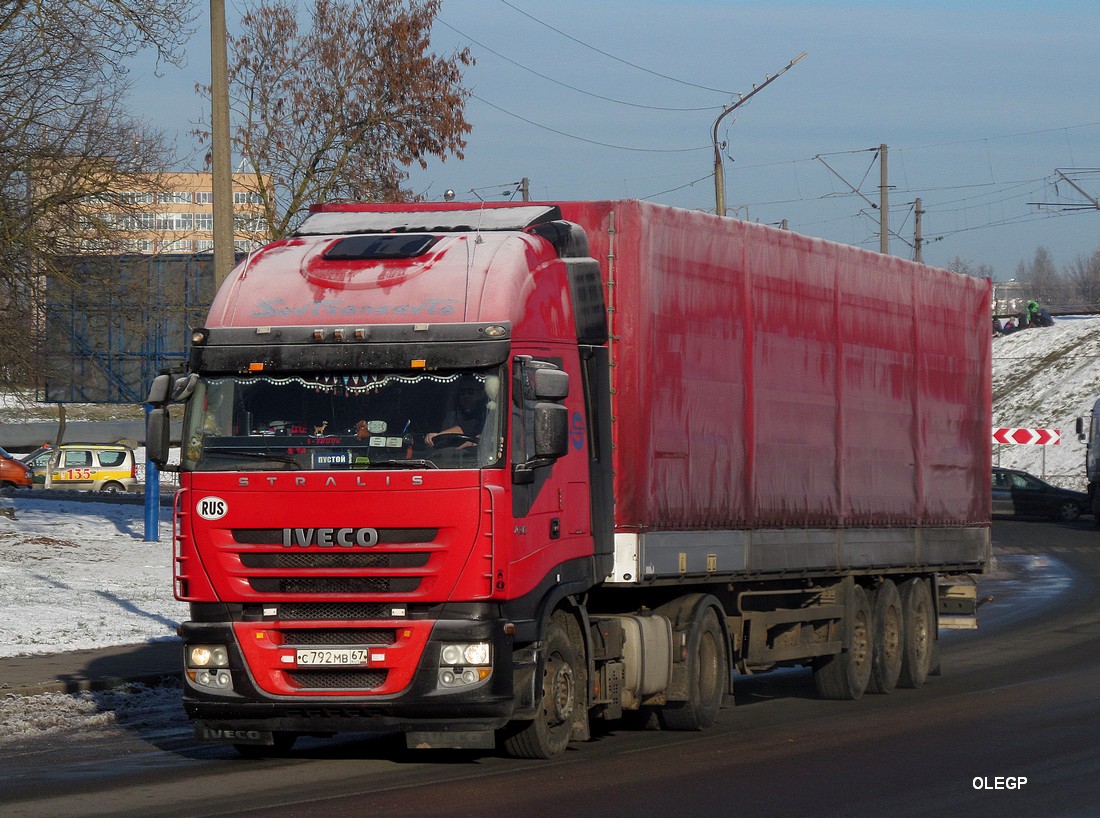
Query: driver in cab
{"x":467,"y":418}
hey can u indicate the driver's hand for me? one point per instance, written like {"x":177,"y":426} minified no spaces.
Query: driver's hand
{"x":428,"y":438}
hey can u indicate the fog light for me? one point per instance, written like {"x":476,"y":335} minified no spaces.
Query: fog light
{"x":215,"y":680}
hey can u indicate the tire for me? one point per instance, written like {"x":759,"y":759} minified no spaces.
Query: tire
{"x":112,"y":488}
{"x":918,"y":632}
{"x":887,"y":637}
{"x":548,"y":734}
{"x":1067,"y":512}
{"x":845,"y":675}
{"x":708,"y":677}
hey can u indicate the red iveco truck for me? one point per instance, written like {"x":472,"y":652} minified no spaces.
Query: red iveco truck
{"x":487,"y":473}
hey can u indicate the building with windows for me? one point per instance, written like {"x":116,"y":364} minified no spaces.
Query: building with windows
{"x":175,"y":214}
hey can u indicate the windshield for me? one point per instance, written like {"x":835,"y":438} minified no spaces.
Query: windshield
{"x":443,"y":420}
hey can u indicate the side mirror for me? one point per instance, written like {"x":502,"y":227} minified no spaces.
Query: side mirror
{"x":1081,"y":429}
{"x":157,"y":441}
{"x":550,"y":384}
{"x":551,"y":429}
{"x":183,"y":387}
{"x":160,"y":391}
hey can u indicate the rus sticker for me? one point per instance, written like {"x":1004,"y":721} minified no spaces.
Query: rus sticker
{"x":211,"y":508}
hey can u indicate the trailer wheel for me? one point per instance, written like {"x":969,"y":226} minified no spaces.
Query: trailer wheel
{"x":918,"y":632}
{"x":708,"y":677}
{"x":845,"y":675}
{"x":547,"y":735}
{"x":888,"y":624}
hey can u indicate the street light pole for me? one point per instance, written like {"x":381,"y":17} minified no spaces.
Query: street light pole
{"x":719,"y":175}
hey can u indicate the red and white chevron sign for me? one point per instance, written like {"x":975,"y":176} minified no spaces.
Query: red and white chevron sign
{"x":1028,"y":437}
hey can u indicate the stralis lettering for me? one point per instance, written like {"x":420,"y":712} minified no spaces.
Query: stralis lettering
{"x":330,"y":537}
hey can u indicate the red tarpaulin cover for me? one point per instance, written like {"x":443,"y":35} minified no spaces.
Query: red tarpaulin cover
{"x":767,"y":379}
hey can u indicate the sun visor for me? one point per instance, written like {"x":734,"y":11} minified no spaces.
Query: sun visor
{"x":426,"y":221}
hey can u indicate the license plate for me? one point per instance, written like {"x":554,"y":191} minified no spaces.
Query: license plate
{"x":332,"y":657}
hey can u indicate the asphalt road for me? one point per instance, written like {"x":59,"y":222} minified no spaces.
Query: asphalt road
{"x":1017,"y":700}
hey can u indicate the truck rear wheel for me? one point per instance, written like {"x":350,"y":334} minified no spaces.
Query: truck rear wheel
{"x":918,"y":632}
{"x":845,"y":675}
{"x":708,"y":677}
{"x":548,"y":734}
{"x":888,"y":623}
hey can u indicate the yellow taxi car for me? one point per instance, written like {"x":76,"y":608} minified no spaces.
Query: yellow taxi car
{"x":106,"y":467}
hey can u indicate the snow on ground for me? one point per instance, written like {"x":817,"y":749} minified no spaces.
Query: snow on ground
{"x":153,"y":711}
{"x":1045,"y":378}
{"x":76,"y":575}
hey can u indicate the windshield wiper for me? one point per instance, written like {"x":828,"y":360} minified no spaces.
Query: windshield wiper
{"x":252,"y":453}
{"x":404,"y":464}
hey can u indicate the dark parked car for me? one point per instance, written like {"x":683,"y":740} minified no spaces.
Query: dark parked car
{"x":13,"y":472}
{"x":1020,"y":494}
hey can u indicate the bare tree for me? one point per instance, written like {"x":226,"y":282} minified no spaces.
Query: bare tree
{"x":1083,"y":273}
{"x":341,"y":109}
{"x":966,"y":267}
{"x":1043,"y":281}
{"x":66,"y":140}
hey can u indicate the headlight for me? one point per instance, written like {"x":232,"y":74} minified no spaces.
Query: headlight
{"x":464,"y":664}
{"x":460,"y":655}
{"x":207,"y":656}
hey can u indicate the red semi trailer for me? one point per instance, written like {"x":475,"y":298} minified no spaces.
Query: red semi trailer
{"x":485,"y":474}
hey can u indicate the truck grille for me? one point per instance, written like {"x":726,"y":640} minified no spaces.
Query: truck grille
{"x":341,"y":611}
{"x":345,"y":637}
{"x":415,"y":559}
{"x":334,"y":585}
{"x":398,"y":562}
{"x":339,"y":679}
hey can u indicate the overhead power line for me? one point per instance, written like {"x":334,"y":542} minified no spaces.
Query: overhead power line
{"x":565,"y":84}
{"x":612,"y":56}
{"x":585,"y":139}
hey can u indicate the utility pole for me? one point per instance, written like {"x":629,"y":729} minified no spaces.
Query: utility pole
{"x":224,"y":251}
{"x":917,"y":213}
{"x":719,"y":176}
{"x":883,"y":217}
{"x":525,"y":189}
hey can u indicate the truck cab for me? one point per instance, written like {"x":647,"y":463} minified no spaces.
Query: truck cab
{"x":386,"y":471}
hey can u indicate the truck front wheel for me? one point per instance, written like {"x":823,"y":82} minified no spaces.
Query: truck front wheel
{"x":548,"y":734}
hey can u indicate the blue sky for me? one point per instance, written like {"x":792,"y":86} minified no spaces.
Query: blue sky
{"x":978,"y":102}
